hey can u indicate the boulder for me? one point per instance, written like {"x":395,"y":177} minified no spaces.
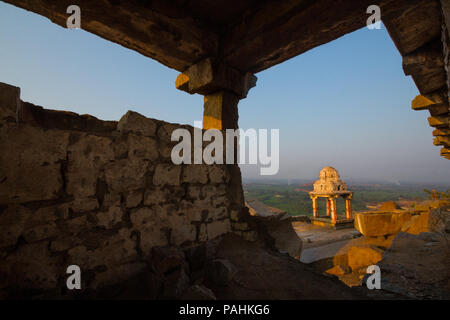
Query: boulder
{"x":175,"y":284}
{"x":167,"y":259}
{"x":389,"y":206}
{"x":416,"y":266}
{"x":277,"y":231}
{"x":220,"y":272}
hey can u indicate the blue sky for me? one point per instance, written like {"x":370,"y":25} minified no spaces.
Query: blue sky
{"x":345,"y":104}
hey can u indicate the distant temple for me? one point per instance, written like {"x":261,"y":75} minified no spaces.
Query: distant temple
{"x":330,"y":186}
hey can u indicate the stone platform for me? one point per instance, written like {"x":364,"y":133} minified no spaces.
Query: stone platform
{"x":327,"y":222}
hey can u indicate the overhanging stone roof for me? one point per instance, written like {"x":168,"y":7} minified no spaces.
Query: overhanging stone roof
{"x":251,"y":36}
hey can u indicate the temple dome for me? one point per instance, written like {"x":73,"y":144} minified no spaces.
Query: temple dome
{"x":329,"y":173}
{"x":329,"y":182}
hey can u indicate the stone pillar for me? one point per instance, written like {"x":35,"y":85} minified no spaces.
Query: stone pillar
{"x":222,"y":86}
{"x":333,"y":209}
{"x":315,"y":207}
{"x":348,"y":208}
{"x":328,"y":206}
{"x":221,"y":110}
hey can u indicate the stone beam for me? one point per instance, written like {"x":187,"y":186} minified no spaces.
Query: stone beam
{"x":445,"y":152}
{"x":426,"y":66}
{"x":208,"y":76}
{"x":442,"y":141}
{"x":414,"y":25}
{"x":276,"y":31}
{"x":435,"y":109}
{"x":439,"y":122}
{"x":156,"y":29}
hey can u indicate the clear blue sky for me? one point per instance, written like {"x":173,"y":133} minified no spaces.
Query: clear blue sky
{"x":345,"y":104}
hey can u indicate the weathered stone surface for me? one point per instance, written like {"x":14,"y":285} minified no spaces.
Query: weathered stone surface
{"x":142,"y":148}
{"x":166,"y":174}
{"x":181,"y":229}
{"x":9,"y":101}
{"x":31,"y":266}
{"x":373,"y":224}
{"x":126,"y":175}
{"x":12,"y":223}
{"x":110,"y":217}
{"x":363,"y":256}
{"x":220,"y":272}
{"x":117,"y":275}
{"x":137,"y":123}
{"x":195,"y":174}
{"x":218,"y":174}
{"x":217,"y":228}
{"x":162,"y":195}
{"x":22,"y":173}
{"x":176,"y":284}
{"x":416,"y":266}
{"x":86,"y":157}
{"x":198,"y":292}
{"x":167,"y":259}
{"x":41,"y":232}
{"x":278,"y":230}
{"x":134,"y":198}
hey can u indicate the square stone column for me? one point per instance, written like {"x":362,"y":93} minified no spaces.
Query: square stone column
{"x":348,"y":208}
{"x":315,"y":207}
{"x":333,"y":209}
{"x":221,"y":110}
{"x":328,"y":207}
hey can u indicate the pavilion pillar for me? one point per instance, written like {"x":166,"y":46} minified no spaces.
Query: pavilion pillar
{"x":328,"y":206}
{"x":333,"y":209}
{"x":348,"y":208}
{"x":315,"y":207}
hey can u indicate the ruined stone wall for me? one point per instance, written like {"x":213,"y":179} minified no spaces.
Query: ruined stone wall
{"x":98,"y":194}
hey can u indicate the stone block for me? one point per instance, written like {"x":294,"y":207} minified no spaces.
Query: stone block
{"x":23,"y":173}
{"x":363,"y":256}
{"x":86,"y":158}
{"x":32,"y":267}
{"x":167,"y":175}
{"x":137,"y":123}
{"x":218,"y":174}
{"x":9,"y":100}
{"x":126,"y":175}
{"x":181,"y":230}
{"x":108,"y":219}
{"x":217,"y":228}
{"x":373,"y":224}
{"x":195,"y":173}
{"x":142,"y":147}
{"x":134,"y":198}
{"x":12,"y":223}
